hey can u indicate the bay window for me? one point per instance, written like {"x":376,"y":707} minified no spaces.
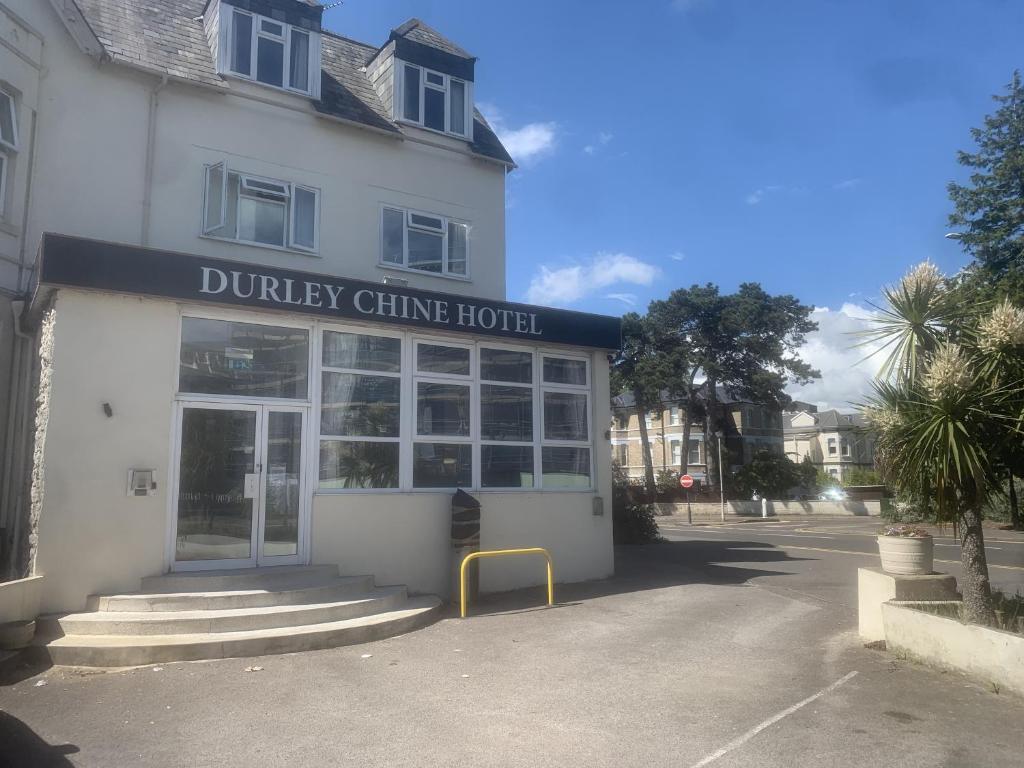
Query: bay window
{"x":360,"y":410}
{"x":433,"y":100}
{"x":479,"y":415}
{"x":254,"y":209}
{"x":270,"y":52}
{"x":424,"y":242}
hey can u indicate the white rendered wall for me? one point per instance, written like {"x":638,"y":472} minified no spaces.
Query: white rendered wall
{"x":91,"y":174}
{"x":93,"y":537}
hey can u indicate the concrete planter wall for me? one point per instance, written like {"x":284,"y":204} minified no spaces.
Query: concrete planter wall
{"x":906,"y":555}
{"x":19,"y":606}
{"x":989,"y":655}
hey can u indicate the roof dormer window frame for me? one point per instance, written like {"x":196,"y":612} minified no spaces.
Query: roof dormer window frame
{"x":417,"y":84}
{"x":269,"y":40}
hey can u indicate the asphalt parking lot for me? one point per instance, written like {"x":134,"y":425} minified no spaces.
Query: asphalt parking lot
{"x":727,"y":646}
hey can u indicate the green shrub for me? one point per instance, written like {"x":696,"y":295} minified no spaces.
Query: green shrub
{"x":634,"y":524}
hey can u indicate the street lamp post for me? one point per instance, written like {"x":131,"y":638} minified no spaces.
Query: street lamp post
{"x":721,"y":485}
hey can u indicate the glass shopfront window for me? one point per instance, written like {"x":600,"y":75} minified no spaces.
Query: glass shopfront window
{"x":223,"y":357}
{"x":360,"y":411}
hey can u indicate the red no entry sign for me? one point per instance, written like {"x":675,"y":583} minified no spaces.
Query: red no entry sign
{"x":686,"y":481}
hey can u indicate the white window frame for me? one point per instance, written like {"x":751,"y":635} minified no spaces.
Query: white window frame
{"x":208,"y":228}
{"x":403,"y":402}
{"x":583,"y":389}
{"x":226,"y":43}
{"x":535,"y":415}
{"x":398,"y":107}
{"x":832,"y":446}
{"x":471,"y":382}
{"x":8,"y":149}
{"x":407,"y":213}
{"x":5,"y":164}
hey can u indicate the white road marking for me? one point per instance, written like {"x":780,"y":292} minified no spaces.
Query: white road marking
{"x":738,"y":742}
{"x":957,"y":546}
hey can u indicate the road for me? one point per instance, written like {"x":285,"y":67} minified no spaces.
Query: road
{"x":853,"y":540}
{"x":727,"y":647}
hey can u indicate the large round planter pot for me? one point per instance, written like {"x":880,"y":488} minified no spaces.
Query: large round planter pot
{"x":906,"y":556}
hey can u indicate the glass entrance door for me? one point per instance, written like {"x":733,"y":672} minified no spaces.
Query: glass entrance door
{"x":240,"y":486}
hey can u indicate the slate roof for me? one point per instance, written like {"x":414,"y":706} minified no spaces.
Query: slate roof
{"x":826,"y":421}
{"x":167,"y":37}
{"x":417,"y":31}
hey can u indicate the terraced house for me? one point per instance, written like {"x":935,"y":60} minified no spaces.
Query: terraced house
{"x":254,"y":277}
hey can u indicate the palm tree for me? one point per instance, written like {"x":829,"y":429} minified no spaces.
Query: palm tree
{"x":948,"y":396}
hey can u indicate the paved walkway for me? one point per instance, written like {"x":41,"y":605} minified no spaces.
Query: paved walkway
{"x":721,"y":647}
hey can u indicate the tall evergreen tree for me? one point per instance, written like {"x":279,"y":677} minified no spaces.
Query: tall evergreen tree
{"x":989,"y":212}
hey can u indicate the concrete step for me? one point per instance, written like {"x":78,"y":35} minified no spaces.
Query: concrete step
{"x":135,"y":650}
{"x":201,"y":621}
{"x":274,"y":578}
{"x":313,"y":589}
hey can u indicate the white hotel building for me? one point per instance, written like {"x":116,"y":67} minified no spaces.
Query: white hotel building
{"x":253,"y":297}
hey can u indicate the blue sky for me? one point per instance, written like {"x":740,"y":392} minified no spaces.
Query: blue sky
{"x":802,"y":144}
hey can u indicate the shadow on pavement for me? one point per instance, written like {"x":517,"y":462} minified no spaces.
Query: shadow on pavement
{"x":653,"y":566}
{"x":22,"y":747}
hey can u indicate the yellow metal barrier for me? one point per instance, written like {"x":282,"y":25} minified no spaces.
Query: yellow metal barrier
{"x":496,"y":553}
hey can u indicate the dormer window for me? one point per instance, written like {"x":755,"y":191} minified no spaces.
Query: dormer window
{"x":434,"y":100}
{"x":269,"y":51}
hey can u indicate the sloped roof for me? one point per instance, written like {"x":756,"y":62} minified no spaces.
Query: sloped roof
{"x":167,"y":37}
{"x":826,"y":420}
{"x":415,"y":30}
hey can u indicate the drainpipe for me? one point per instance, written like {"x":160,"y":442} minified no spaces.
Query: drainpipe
{"x":18,"y":408}
{"x":147,"y":190}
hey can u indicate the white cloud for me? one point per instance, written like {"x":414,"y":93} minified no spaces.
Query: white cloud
{"x":758,"y":195}
{"x":677,"y":256}
{"x":603,"y":140}
{"x":846,"y":370}
{"x":626,"y":298}
{"x":567,"y":285}
{"x":525,"y":143}
{"x":847,"y":183}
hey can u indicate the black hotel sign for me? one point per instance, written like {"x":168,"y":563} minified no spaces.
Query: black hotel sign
{"x":80,"y":263}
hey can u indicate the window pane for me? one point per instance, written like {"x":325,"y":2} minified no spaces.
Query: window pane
{"x":506,"y":365}
{"x":7,"y":118}
{"x":346,"y":464}
{"x":241,"y":49}
{"x":220,"y":357}
{"x":506,"y":466}
{"x":393,"y":236}
{"x":261,"y":221}
{"x":299,"y":60}
{"x":433,"y":358}
{"x":436,"y":79}
{"x":566,"y":467}
{"x":436,"y":465}
{"x":506,"y":413}
{"x":360,"y":406}
{"x":411,"y":108}
{"x":433,"y":109}
{"x":442,"y":409}
{"x":457,"y":119}
{"x":425,"y":250}
{"x":214,"y":198}
{"x":559,"y":371}
{"x":431,"y":222}
{"x":694,"y":455}
{"x":457,"y":248}
{"x":271,"y":28}
{"x":565,"y":416}
{"x":270,"y":61}
{"x":367,"y":353}
{"x":305,"y":218}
